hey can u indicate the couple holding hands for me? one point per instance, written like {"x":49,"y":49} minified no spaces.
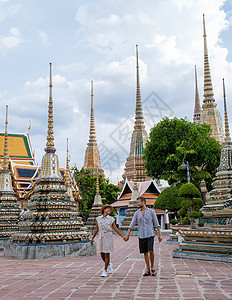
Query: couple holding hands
{"x":145,"y":218}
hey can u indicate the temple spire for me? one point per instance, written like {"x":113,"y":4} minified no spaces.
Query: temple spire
{"x":197,"y":108}
{"x":6,"y":156}
{"x":92,"y":160}
{"x":208,"y":87}
{"x":92,"y":132}
{"x":138,"y":138}
{"x":138,"y":110}
{"x":50,"y":136}
{"x":227,"y":130}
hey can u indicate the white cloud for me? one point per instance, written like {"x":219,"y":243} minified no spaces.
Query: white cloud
{"x":44,"y":37}
{"x":8,"y":10}
{"x":11,"y":41}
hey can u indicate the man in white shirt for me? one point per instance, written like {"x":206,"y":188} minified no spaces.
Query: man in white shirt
{"x":147,"y":220}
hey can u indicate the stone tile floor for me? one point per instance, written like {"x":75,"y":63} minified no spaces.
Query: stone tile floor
{"x":80,"y":278}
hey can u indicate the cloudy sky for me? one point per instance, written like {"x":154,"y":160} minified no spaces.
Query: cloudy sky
{"x":95,"y":40}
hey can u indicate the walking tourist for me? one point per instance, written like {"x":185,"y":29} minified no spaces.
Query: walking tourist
{"x":104,"y":225}
{"x":147,"y":220}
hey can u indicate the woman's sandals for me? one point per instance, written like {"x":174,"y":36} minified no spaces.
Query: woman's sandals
{"x":147,"y":273}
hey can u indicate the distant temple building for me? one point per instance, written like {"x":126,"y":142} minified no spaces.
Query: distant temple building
{"x":147,"y":189}
{"x":22,"y":161}
{"x":209,"y":114}
{"x":92,"y":156}
{"x":134,"y":163}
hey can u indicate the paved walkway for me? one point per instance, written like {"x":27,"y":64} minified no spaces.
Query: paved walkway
{"x":80,"y":278}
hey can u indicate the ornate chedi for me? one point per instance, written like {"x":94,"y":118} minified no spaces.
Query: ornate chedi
{"x":138,"y":139}
{"x":218,"y":209}
{"x":210,"y":114}
{"x":52,"y":226}
{"x":9,"y":210}
{"x":197,"y":108}
{"x":215,"y":241}
{"x":92,"y":156}
{"x":96,"y":208}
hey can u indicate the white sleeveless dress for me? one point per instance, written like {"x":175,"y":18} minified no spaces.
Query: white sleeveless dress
{"x":105,"y":233}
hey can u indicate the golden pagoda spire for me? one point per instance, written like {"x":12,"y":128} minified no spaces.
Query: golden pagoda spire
{"x":139,"y":123}
{"x":5,"y":168}
{"x":197,"y":108}
{"x":92,"y":132}
{"x":67,"y":179}
{"x":208,"y":87}
{"x":227,"y":130}
{"x":50,"y":137}
{"x":138,"y":138}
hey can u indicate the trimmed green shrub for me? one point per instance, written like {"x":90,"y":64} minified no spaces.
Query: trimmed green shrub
{"x":173,"y":222}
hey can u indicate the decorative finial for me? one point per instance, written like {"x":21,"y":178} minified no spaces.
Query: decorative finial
{"x":208,"y":87}
{"x":92,"y":133}
{"x":227,"y":130}
{"x":67,"y":179}
{"x":6,"y":156}
{"x":29,"y":127}
{"x":50,"y":137}
{"x":197,"y":108}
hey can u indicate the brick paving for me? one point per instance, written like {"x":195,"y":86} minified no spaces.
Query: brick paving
{"x":80,"y":277}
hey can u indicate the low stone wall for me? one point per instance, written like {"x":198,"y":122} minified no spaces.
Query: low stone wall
{"x":205,"y":244}
{"x":202,"y":256}
{"x":2,"y":243}
{"x":39,"y":251}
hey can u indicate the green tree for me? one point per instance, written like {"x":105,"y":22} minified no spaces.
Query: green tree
{"x":173,"y":140}
{"x":87,"y":186}
{"x":192,"y":203}
{"x":169,"y":199}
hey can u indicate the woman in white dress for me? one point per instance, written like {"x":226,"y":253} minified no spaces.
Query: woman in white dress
{"x":104,"y":225}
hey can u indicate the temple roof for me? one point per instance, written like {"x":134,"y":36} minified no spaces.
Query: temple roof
{"x":19,"y":148}
{"x":149,"y":187}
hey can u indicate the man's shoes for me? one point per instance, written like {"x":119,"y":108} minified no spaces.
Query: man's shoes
{"x":104,"y":274}
{"x":110,"y":268}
